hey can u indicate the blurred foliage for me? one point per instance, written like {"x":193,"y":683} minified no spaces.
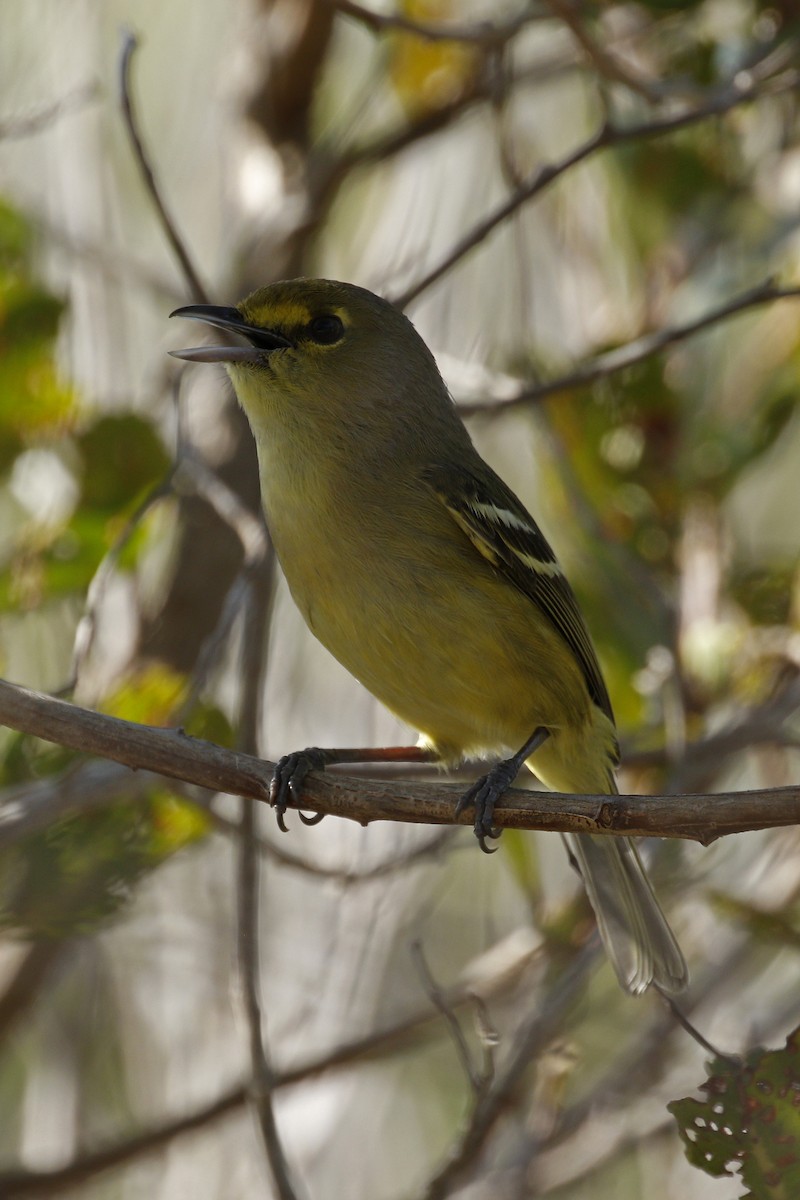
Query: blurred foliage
{"x":150,"y":694}
{"x":110,"y":461}
{"x":34,"y":400}
{"x":749,"y":1122}
{"x":427,"y":75}
{"x":77,"y":873}
{"x":782,"y":928}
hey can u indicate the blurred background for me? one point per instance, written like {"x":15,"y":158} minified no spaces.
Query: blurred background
{"x":434,"y":1022}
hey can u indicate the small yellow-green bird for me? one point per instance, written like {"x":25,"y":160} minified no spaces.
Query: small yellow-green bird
{"x":418,"y":568}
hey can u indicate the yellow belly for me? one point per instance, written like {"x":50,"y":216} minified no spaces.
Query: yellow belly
{"x":444,"y":641}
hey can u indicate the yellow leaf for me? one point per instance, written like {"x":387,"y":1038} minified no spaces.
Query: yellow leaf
{"x":428,"y":75}
{"x":149,"y":695}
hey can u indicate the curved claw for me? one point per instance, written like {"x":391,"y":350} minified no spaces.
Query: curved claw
{"x":487,"y":791}
{"x":279,"y":787}
{"x":312,"y":820}
{"x":288,"y":776}
{"x":483,"y":795}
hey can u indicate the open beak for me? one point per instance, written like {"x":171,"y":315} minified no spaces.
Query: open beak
{"x":262,"y":341}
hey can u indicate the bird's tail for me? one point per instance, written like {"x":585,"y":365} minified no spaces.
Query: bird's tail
{"x":639,"y":942}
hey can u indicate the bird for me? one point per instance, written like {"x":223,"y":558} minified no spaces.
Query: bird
{"x":425,"y":576}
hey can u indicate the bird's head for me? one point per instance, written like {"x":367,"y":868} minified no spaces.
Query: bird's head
{"x":315,"y":349}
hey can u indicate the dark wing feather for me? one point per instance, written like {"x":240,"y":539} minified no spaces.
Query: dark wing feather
{"x":507,"y":536}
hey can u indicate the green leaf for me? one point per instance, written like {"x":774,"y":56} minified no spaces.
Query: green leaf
{"x":749,"y":1122}
{"x":122,"y":455}
{"x":15,"y":237}
{"x":75,"y":875}
{"x":33,"y":399}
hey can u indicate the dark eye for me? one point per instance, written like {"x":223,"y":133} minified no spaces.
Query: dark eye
{"x":326,"y":329}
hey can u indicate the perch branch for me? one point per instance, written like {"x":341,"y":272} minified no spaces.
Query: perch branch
{"x":169,"y":752}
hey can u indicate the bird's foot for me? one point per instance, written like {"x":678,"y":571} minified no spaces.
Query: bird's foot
{"x":287,"y":778}
{"x":486,"y":791}
{"x":483,"y":796}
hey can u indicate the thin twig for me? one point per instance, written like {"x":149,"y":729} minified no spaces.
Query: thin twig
{"x":262,"y":1087}
{"x":694,"y":1033}
{"x":40,"y":960}
{"x":27,"y":808}
{"x":704,"y":817}
{"x":195,"y":287}
{"x":191,"y":473}
{"x":434,"y":848}
{"x":485,"y":34}
{"x":195,"y":475}
{"x":535,"y":1034}
{"x":51,"y":1182}
{"x":405,"y":1035}
{"x":21,"y":127}
{"x":604,"y":62}
{"x":87,"y":625}
{"x":331,"y":168}
{"x":636,"y":351}
{"x":764,"y":724}
{"x":638,"y":1066}
{"x":438,"y":1000}
{"x":607,"y":136}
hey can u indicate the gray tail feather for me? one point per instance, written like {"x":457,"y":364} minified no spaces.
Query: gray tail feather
{"x":639,"y":942}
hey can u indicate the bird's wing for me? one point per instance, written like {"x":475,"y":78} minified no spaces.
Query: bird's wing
{"x":501,"y":529}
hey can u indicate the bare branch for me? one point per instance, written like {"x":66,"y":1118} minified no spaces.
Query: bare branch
{"x":604,"y":62}
{"x":330,"y":169}
{"x":50,"y":1183}
{"x":638,"y":350}
{"x":764,"y":724}
{"x":191,"y":473}
{"x":429,"y":850}
{"x":631,"y":1072}
{"x":484,"y":34}
{"x":413,"y":1031}
{"x":196,"y":289}
{"x":20,"y":127}
{"x":87,"y":625}
{"x":26,"y":808}
{"x":537,"y":1031}
{"x":262,"y":1087}
{"x":742,"y":90}
{"x":38,"y":964}
{"x":702,"y":818}
{"x":434,"y":993}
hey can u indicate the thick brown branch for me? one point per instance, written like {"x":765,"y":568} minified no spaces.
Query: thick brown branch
{"x":169,"y":752}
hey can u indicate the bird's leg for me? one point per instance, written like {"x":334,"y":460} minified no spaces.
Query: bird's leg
{"x":486,"y":791}
{"x":291,"y":770}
